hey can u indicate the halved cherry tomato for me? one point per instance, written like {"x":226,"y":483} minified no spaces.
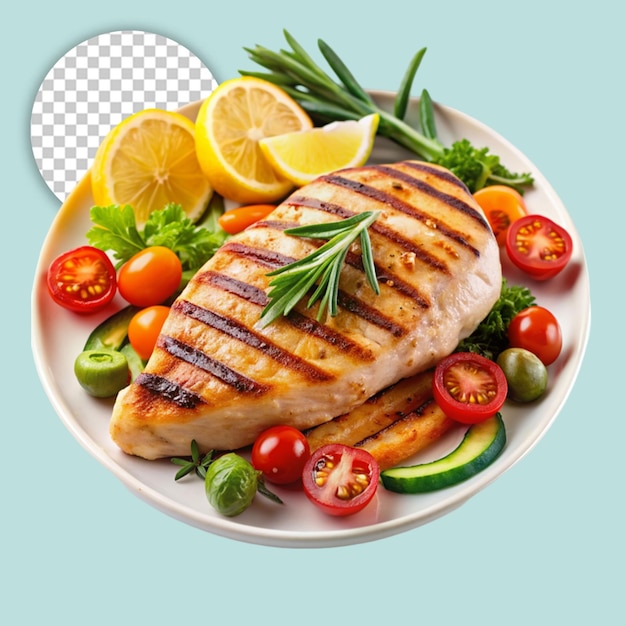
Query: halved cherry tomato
{"x":150,"y":276}
{"x":82,"y":280}
{"x":538,"y":246}
{"x":537,"y":330}
{"x":502,"y":206}
{"x":236,"y":220}
{"x":280,"y":452}
{"x":339,"y":479}
{"x":144,"y":329}
{"x":468,"y":387}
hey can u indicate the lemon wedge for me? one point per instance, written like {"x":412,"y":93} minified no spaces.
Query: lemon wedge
{"x":303,"y":156}
{"x":147,"y":161}
{"x":230,"y":124}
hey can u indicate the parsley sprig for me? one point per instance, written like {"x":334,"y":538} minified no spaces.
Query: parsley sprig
{"x":293,"y":282}
{"x":115,"y":230}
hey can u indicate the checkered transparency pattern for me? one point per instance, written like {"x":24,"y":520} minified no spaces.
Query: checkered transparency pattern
{"x":97,"y":84}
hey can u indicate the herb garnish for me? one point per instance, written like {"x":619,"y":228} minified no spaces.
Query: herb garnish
{"x":323,"y":266}
{"x":115,"y":230}
{"x":490,"y":337}
{"x":296,"y":72}
{"x":200,"y":464}
{"x":195,"y":463}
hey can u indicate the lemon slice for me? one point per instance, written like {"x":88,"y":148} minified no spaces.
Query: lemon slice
{"x":303,"y":156}
{"x":147,"y":161}
{"x":230,"y":124}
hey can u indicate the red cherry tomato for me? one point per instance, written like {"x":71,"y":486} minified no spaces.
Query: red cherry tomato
{"x":280,"y":453}
{"x":236,"y":220}
{"x":150,"y":276}
{"x":82,"y":280}
{"x":144,"y":329}
{"x":537,"y":330}
{"x":502,"y":206}
{"x":538,"y":246}
{"x":339,"y":479}
{"x":468,"y":387}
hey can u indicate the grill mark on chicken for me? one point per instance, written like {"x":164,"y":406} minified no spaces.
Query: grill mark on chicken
{"x":424,"y":187}
{"x":265,"y":257}
{"x":384,"y":197}
{"x":369,"y":314}
{"x":446,"y":175}
{"x":243,"y":290}
{"x":391,"y":280}
{"x":304,"y":324}
{"x":238,"y":331}
{"x":393,"y":236}
{"x":199,"y":359}
{"x":274,"y":224}
{"x":169,"y":390}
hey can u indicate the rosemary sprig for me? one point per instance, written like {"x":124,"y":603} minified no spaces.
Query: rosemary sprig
{"x":293,"y":282}
{"x":195,"y":463}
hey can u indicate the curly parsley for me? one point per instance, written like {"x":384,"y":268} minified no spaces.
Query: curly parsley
{"x":115,"y":230}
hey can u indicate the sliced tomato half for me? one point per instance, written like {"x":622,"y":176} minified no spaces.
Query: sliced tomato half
{"x":538,"y":246}
{"x":468,"y":387}
{"x":339,"y":479}
{"x":82,"y":280}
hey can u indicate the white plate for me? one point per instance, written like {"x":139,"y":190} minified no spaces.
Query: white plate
{"x":58,"y":336}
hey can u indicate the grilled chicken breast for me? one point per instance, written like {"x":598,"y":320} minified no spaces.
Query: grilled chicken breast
{"x":218,"y":377}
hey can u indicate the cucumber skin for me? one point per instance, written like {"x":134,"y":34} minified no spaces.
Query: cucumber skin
{"x":112,"y":332}
{"x":446,"y":478}
{"x":135,"y":363}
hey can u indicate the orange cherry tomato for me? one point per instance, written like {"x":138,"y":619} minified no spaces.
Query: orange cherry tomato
{"x":502,"y":206}
{"x":150,"y":276}
{"x":236,"y":220}
{"x":145,"y":327}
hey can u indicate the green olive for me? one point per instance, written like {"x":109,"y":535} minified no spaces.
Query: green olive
{"x":526,"y":375}
{"x":231,"y":484}
{"x":102,"y":372}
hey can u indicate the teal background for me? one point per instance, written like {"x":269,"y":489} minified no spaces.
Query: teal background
{"x":544,"y":544}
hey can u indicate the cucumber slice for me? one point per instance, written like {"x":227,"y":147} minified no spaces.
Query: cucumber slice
{"x":135,"y":363}
{"x":481,"y":445}
{"x":112,"y":332}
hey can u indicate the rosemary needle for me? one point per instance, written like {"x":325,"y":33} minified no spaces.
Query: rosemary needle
{"x":320,"y":269}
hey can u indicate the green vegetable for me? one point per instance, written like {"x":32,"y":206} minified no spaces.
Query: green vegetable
{"x":526,"y":375}
{"x":480,"y":447}
{"x":135,"y":363}
{"x":231,"y":484}
{"x":115,"y":230}
{"x":113,"y":331}
{"x":327,"y":100}
{"x":101,"y":372}
{"x":490,"y":337}
{"x":323,"y":266}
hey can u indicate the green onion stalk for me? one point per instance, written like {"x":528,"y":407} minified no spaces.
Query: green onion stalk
{"x":325,"y":99}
